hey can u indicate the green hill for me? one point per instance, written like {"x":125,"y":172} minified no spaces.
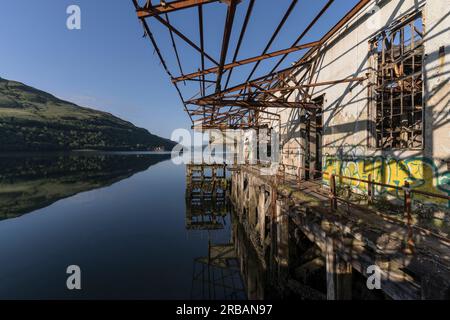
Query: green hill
{"x":34,"y":120}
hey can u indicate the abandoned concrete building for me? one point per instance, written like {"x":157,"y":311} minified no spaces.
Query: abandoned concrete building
{"x":363,"y":117}
{"x":392,"y":120}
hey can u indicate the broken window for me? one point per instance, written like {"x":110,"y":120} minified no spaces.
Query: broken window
{"x":398,"y":85}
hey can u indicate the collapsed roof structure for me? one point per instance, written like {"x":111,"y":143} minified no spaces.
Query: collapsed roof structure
{"x":250,"y":104}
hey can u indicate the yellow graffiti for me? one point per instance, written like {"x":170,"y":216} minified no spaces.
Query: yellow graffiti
{"x":420,"y":173}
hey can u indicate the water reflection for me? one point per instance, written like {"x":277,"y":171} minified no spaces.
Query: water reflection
{"x":230,"y":270}
{"x":30,"y":182}
{"x":216,"y":275}
{"x":169,"y":232}
{"x":149,"y":236}
{"x":265,"y":257}
{"x":206,"y":197}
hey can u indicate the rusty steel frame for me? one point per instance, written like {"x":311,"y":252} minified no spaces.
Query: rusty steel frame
{"x":245,"y":105}
{"x":151,"y":11}
{"x":247,"y":61}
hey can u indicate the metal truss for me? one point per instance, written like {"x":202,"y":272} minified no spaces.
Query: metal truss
{"x":253,"y":103}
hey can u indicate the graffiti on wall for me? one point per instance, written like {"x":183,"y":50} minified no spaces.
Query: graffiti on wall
{"x":422,"y":173}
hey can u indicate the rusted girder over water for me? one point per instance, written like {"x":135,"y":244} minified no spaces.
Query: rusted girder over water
{"x":247,"y":61}
{"x":255,"y":104}
{"x":245,"y":104}
{"x":166,"y":7}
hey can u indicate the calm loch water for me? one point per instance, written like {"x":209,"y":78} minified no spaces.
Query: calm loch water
{"x":140,"y":227}
{"x":122,"y":218}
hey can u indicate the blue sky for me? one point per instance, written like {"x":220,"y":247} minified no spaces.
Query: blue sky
{"x":107,"y":65}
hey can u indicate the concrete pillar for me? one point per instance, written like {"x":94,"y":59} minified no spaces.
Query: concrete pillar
{"x":303,"y":144}
{"x":261,"y":214}
{"x":339,"y":275}
{"x":312,"y":144}
{"x":282,"y":225}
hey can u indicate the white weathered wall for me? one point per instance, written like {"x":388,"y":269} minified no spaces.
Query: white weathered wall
{"x":437,"y":74}
{"x":346,"y":105}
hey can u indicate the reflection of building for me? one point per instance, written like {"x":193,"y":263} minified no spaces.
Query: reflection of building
{"x":253,"y":272}
{"x":206,"y":193}
{"x":215,"y":275}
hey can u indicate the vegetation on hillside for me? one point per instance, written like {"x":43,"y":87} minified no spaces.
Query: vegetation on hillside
{"x":33,"y":120}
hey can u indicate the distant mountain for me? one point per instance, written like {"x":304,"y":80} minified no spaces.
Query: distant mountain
{"x":34,"y":120}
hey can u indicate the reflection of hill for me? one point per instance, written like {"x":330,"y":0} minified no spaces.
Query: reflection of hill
{"x":27,"y":184}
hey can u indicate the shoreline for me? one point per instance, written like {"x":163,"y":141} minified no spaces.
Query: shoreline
{"x":74,"y":152}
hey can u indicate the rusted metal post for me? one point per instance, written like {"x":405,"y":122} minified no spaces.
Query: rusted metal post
{"x":407,"y":212}
{"x":370,"y":188}
{"x":312,"y":173}
{"x":333,"y":196}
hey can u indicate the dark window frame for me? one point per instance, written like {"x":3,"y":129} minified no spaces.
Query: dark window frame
{"x":396,"y":109}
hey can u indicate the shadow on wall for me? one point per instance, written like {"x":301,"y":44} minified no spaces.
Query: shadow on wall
{"x":421,"y":172}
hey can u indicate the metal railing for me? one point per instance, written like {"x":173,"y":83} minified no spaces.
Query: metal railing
{"x":334,"y":197}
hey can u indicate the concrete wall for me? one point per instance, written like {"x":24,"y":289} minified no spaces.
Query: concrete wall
{"x":346,"y":105}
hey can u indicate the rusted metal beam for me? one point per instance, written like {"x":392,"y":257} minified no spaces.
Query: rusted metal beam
{"x":274,"y":35}
{"x":233,"y":113}
{"x":226,"y":126}
{"x":305,"y":59}
{"x":307,"y":29}
{"x":254,"y":104}
{"x":149,"y":34}
{"x":241,"y":36}
{"x":261,"y":80}
{"x":226,"y":41}
{"x":186,"y":39}
{"x":174,"y":46}
{"x":252,"y":101}
{"x":317,"y":84}
{"x":353,"y":12}
{"x":202,"y":47}
{"x":247,"y":61}
{"x":232,"y":4}
{"x":227,"y":119}
{"x":170,"y":7}
{"x":265,"y":91}
{"x":220,"y":117}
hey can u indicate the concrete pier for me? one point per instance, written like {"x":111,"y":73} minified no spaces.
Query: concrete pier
{"x":349,"y":241}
